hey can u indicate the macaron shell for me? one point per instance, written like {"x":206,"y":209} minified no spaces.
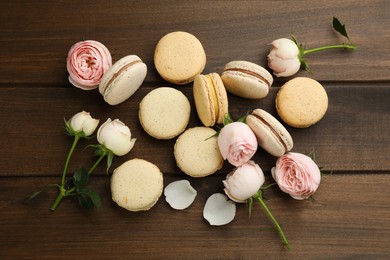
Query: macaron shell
{"x":179,"y":57}
{"x":197,"y":153}
{"x":271,"y":135}
{"x":136,"y":185}
{"x":239,"y":79}
{"x":204,"y":101}
{"x":164,"y":112}
{"x":223,"y":104}
{"x":301,"y":102}
{"x":123,"y":79}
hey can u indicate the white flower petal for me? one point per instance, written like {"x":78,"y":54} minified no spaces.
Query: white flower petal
{"x":179,"y":194}
{"x":219,"y":210}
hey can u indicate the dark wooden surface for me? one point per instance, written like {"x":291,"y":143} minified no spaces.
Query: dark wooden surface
{"x":350,"y":214}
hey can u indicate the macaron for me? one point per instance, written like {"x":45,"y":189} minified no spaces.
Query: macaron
{"x":196,"y":152}
{"x":136,"y":185}
{"x":210,"y":98}
{"x":301,"y":102}
{"x":271,"y":135}
{"x":122,"y":79}
{"x":246,"y":79}
{"x":164,"y":112}
{"x":179,"y":57}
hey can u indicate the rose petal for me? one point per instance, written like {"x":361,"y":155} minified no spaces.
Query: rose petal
{"x":179,"y":194}
{"x":218,"y":210}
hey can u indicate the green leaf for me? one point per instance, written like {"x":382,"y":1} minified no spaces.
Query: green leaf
{"x":339,"y":27}
{"x":294,"y":39}
{"x":89,"y":199}
{"x":242,"y":119}
{"x":110,"y":157}
{"x":80,"y":178}
{"x":28,"y":199}
{"x":227,"y":119}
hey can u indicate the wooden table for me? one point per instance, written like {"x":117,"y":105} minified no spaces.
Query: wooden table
{"x":349,"y":216}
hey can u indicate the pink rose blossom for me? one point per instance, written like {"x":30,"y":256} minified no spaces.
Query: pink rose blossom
{"x":244,"y":182}
{"x":283,"y":58}
{"x":297,"y":174}
{"x":86,"y":63}
{"x":237,"y":143}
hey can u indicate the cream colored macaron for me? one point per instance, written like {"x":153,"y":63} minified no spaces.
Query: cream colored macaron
{"x":197,"y":153}
{"x":122,"y":79}
{"x":179,"y":57}
{"x":136,"y":185}
{"x":246,"y":79}
{"x":164,"y":112}
{"x":210,"y":98}
{"x":301,"y":102}
{"x":271,"y":135}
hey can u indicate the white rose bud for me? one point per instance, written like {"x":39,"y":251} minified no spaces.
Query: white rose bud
{"x":283,"y":58}
{"x":244,"y":182}
{"x":83,"y":122}
{"x":115,"y":136}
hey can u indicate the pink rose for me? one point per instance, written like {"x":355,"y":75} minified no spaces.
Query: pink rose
{"x":86,"y":63}
{"x":283,"y":58}
{"x":244,"y":182}
{"x":237,"y":143}
{"x":297,"y":175}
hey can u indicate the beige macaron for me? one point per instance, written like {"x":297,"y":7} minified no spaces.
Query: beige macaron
{"x":210,"y":98}
{"x":197,"y":153}
{"x":246,"y":79}
{"x":179,"y":57}
{"x":122,"y":79}
{"x":136,"y":185}
{"x":301,"y":102}
{"x":271,"y":135}
{"x":164,"y":112}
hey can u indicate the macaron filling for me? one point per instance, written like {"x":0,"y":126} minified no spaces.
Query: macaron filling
{"x":268,"y":125}
{"x":116,"y":74}
{"x":254,"y":74}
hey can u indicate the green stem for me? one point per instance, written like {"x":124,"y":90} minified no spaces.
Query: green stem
{"x":59,"y":198}
{"x":337,"y":46}
{"x":97,"y":162}
{"x":75,"y":141}
{"x":285,"y":241}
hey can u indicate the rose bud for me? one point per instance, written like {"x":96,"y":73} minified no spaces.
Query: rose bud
{"x":115,"y":136}
{"x":297,"y":174}
{"x":83,"y":122}
{"x":283,"y":58}
{"x":243,"y":182}
{"x":237,"y":143}
{"x":86,"y":64}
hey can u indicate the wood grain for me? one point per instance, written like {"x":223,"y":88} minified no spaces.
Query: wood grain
{"x":349,"y":217}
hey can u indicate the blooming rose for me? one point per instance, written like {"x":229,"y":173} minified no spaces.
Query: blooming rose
{"x":83,"y":122}
{"x":237,"y":143}
{"x":115,"y":136}
{"x":86,"y":63}
{"x":297,"y":174}
{"x":283,"y":58}
{"x":243,"y":182}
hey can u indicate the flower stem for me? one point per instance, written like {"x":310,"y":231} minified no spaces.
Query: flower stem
{"x":63,"y":193}
{"x":75,"y":141}
{"x":284,"y":239}
{"x":97,"y":162}
{"x":328,"y":47}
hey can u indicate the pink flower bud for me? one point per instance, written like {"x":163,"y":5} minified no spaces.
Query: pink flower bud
{"x":283,"y":58}
{"x":86,"y":63}
{"x":297,"y":175}
{"x":237,"y":143}
{"x":244,"y":182}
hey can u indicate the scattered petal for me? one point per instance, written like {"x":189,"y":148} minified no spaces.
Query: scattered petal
{"x":219,"y":210}
{"x":180,"y":194}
